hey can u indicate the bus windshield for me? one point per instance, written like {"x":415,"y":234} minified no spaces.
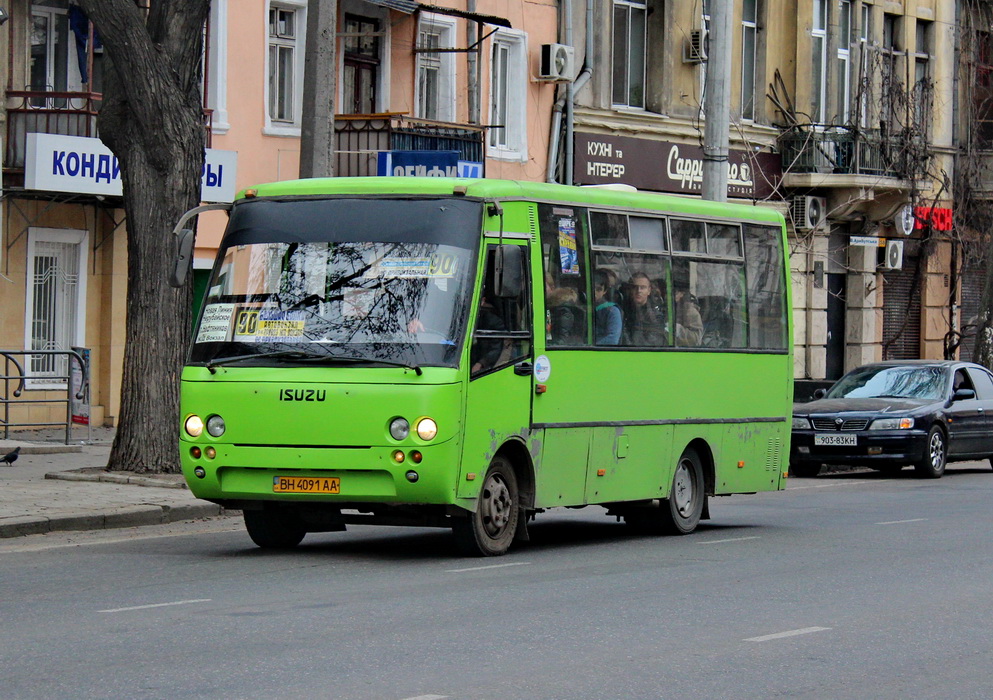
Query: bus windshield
{"x":395,"y":293}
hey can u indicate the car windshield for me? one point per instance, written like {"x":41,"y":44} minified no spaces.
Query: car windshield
{"x":398,"y":297}
{"x":890,"y":382}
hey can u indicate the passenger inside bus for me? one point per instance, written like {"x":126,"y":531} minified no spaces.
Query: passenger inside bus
{"x":607,"y":317}
{"x":486,"y":352}
{"x":645,"y":317}
{"x":689,"y":322}
{"x":567,"y":322}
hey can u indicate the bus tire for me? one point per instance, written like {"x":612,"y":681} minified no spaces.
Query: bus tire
{"x":273,"y":528}
{"x":489,"y":531}
{"x":680,"y":513}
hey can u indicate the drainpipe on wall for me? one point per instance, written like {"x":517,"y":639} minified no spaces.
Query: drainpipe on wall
{"x":567,"y":98}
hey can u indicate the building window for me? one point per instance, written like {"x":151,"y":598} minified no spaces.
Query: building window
{"x":865,"y":79}
{"x":890,"y":76}
{"x":922,"y":73}
{"x":508,"y":85}
{"x":216,"y":66}
{"x":360,"y":76}
{"x":285,"y":41}
{"x":844,"y":78}
{"x":435,"y":85}
{"x":749,"y":29}
{"x":982,"y":96}
{"x":55,"y":306}
{"x":818,"y":47}
{"x":629,"y":53}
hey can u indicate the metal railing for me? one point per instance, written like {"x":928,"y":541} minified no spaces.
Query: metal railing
{"x":359,"y":139}
{"x":840,"y":150}
{"x":20,"y":379}
{"x":49,"y":112}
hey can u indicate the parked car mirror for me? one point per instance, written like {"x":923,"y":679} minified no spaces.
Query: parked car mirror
{"x":819,"y":393}
{"x":963,"y":394}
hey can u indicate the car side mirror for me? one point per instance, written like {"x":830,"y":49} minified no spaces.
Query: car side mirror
{"x":963,"y":394}
{"x":820,"y":393}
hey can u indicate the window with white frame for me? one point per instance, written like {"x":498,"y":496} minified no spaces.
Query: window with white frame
{"x":818,"y":48}
{"x":216,"y":66}
{"x":629,"y":53}
{"x":55,"y":307}
{"x":749,"y":30}
{"x":435,"y":87}
{"x":287,"y":34}
{"x":891,"y":83}
{"x":508,"y":86}
{"x":844,"y":77}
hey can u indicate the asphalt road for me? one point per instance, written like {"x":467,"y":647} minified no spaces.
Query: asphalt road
{"x":844,"y":586}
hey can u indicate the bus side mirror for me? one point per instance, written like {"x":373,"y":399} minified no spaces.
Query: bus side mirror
{"x":508,"y":269}
{"x":181,"y":265}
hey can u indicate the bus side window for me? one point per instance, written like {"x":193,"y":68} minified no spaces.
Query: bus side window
{"x":567,"y":296}
{"x":766,"y":288}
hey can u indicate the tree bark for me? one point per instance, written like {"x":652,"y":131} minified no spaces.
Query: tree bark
{"x":152,"y":119}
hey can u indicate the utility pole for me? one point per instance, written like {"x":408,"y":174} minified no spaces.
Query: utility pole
{"x":717,"y":103}
{"x":317,"y":142}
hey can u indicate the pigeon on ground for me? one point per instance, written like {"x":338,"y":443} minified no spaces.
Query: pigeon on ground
{"x":11,"y":456}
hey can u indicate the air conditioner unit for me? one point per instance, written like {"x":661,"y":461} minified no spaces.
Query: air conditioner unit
{"x":894,"y":254}
{"x":557,"y":62}
{"x":808,"y":212}
{"x":695,"y":47}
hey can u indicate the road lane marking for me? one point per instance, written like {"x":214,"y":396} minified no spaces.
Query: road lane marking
{"x":829,"y":485}
{"x":491,"y":566}
{"x":427,"y":697}
{"x":791,"y":633}
{"x":156,"y":605}
{"x":900,"y":522}
{"x":732,"y":539}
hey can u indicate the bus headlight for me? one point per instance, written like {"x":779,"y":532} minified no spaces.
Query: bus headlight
{"x":215,"y":426}
{"x":892,"y":424}
{"x":193,"y":425}
{"x":800,"y":423}
{"x":399,"y":428}
{"x":426,"y":429}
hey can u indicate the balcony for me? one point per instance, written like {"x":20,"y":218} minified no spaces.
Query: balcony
{"x":360,"y":138}
{"x":65,"y":113}
{"x":46,"y":112}
{"x":839,"y":157}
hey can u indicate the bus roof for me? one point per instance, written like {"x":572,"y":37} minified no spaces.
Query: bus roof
{"x":512,"y":189}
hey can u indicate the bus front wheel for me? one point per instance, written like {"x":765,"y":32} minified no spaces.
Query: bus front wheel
{"x":489,"y":530}
{"x":274,"y":528}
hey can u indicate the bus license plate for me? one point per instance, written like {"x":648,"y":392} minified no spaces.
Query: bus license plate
{"x":306,"y":484}
{"x":836,"y":440}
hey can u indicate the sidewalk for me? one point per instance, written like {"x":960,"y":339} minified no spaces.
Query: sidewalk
{"x":53,"y":487}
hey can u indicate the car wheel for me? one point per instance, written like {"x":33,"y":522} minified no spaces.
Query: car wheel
{"x":805,"y":470}
{"x":932,"y":463}
{"x":273,"y":528}
{"x":489,"y":531}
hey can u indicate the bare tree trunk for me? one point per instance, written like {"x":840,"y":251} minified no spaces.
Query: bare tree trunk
{"x":152,"y":119}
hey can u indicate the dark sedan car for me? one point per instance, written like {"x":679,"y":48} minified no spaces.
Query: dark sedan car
{"x":891,"y":414}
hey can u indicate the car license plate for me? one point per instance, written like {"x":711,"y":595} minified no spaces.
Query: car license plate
{"x":306,"y":484}
{"x":832,"y":440}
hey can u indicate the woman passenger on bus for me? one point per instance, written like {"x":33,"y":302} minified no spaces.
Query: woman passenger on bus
{"x":607,"y":315}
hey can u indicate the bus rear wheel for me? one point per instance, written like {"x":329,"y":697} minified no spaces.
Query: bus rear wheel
{"x":680,"y":513}
{"x":489,"y":530}
{"x":274,"y":528}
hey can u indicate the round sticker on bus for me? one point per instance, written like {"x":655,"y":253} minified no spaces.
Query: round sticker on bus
{"x":542,"y":369}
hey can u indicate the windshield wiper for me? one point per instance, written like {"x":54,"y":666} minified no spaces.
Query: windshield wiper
{"x":310,"y":357}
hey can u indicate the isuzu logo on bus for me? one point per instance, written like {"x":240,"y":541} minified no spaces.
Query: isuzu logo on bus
{"x":302,"y":394}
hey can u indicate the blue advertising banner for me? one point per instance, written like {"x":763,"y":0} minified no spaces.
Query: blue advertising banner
{"x":418,"y":163}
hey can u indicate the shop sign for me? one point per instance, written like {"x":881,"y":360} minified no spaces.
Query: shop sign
{"x":426,"y":164}
{"x":938,"y":218}
{"x":57,"y":163}
{"x":664,"y":166}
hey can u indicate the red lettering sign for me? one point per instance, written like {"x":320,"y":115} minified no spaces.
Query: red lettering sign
{"x":938,"y":218}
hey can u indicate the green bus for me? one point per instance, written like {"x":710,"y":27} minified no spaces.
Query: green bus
{"x":467,"y":354}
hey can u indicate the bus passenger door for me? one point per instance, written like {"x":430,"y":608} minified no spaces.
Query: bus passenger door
{"x":498,"y":397}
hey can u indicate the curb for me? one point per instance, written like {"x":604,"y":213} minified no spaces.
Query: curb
{"x":127,"y":516}
{"x":39,"y":449}
{"x":118,"y":478}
